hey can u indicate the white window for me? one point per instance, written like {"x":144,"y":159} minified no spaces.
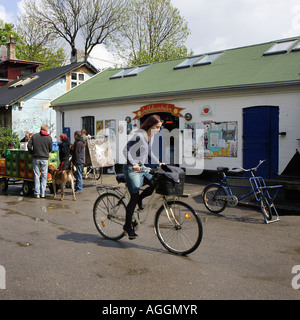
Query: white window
{"x":130,"y":72}
{"x":280,"y":47}
{"x":77,"y":78}
{"x":198,"y":60}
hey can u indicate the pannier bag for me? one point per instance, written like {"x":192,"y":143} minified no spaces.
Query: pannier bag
{"x":169,"y":180}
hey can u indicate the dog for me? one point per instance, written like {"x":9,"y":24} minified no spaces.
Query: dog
{"x":61,"y":177}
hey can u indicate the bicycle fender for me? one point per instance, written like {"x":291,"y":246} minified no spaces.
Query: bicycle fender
{"x":218,"y":185}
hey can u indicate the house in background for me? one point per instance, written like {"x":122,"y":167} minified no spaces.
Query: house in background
{"x":24,"y":102}
{"x":12,"y":68}
{"x":246,"y":100}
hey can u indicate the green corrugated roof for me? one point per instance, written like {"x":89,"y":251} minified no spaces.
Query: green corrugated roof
{"x":245,"y":66}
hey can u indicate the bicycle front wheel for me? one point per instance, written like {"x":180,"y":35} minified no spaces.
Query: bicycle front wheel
{"x":109,"y":214}
{"x":266,"y":208}
{"x":212,"y":195}
{"x":178,"y":227}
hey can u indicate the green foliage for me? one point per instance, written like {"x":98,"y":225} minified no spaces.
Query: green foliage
{"x":166,"y":53}
{"x":6,"y":135}
{"x":34,"y":52}
{"x":154,"y":31}
{"x":6,"y":29}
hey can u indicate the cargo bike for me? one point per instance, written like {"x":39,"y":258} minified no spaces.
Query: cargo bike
{"x":16,"y":168}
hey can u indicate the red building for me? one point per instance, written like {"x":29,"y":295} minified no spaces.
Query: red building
{"x":12,"y":68}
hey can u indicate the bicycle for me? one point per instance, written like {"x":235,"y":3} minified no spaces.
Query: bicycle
{"x":93,"y":173}
{"x":176,"y":224}
{"x":216,"y":196}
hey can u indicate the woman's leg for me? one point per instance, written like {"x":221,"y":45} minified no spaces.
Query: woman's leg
{"x":129,"y":213}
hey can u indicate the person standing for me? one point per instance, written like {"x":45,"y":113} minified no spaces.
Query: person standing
{"x":64,"y":152}
{"x":78,"y":160}
{"x":39,"y":146}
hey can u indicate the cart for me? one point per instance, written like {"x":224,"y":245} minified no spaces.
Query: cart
{"x":16,"y":168}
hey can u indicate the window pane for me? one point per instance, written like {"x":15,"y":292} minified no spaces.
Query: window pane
{"x":280,"y":47}
{"x":208,"y":59}
{"x":188,"y":62}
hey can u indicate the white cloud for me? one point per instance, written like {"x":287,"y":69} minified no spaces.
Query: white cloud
{"x":224,"y":24}
{"x":101,"y":58}
{"x":7,"y":17}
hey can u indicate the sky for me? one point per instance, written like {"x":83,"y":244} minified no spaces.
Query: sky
{"x":214,"y":24}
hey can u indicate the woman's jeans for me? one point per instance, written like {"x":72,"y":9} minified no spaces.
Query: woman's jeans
{"x":135,"y":179}
{"x":40,"y":166}
{"x":78,"y":177}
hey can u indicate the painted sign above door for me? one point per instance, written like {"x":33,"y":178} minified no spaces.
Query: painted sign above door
{"x":156,"y":108}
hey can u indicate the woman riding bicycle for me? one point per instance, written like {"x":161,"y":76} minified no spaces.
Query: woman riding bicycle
{"x":138,"y":152}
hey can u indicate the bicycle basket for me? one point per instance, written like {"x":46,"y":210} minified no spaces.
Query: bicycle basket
{"x":171,"y":182}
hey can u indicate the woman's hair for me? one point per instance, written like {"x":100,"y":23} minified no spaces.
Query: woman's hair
{"x":150,"y":122}
{"x":63,"y":136}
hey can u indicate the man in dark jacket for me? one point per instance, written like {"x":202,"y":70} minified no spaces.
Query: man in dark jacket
{"x":39,"y":146}
{"x":78,"y":160}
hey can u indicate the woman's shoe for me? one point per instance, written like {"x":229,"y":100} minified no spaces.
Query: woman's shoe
{"x":140,"y":205}
{"x":130,"y":232}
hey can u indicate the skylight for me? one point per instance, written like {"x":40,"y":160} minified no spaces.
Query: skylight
{"x":297,"y":48}
{"x":121,"y":73}
{"x":280,"y":47}
{"x":187,"y":62}
{"x":198,"y":60}
{"x":130,"y":72}
{"x":23,"y":82}
{"x":207,"y":59}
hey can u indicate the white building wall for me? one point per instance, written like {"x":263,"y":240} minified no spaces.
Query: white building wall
{"x":225,"y":107}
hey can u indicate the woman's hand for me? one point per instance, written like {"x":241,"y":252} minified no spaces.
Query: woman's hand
{"x":136,"y":168}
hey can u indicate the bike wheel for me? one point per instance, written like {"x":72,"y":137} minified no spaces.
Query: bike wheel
{"x":97,"y":173}
{"x":209,"y":195}
{"x":109,"y":214}
{"x":178,"y":227}
{"x":266,"y":208}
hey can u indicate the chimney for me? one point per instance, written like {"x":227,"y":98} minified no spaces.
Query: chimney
{"x":77,"y":56}
{"x":11,"y":48}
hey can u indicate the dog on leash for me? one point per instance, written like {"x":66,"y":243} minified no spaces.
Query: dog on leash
{"x":61,"y":177}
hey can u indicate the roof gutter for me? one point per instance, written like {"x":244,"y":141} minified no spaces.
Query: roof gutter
{"x":183,"y":92}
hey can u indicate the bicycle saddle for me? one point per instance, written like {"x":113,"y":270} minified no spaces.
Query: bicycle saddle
{"x":222,"y":169}
{"x":120,"y":178}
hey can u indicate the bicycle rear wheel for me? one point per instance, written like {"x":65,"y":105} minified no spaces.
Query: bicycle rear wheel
{"x":211,"y":198}
{"x":178,"y":227}
{"x":109,"y":214}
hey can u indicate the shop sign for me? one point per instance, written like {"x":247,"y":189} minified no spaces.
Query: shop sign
{"x":156,"y":108}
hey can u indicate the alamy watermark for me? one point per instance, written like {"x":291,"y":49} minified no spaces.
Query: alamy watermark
{"x":2,"y":278}
{"x":180,"y":147}
{"x":296,"y":279}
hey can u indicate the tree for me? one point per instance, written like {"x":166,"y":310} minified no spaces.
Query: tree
{"x":6,"y":30}
{"x":37,"y":44}
{"x":6,"y":135}
{"x":91,"y":21}
{"x":154,"y":31}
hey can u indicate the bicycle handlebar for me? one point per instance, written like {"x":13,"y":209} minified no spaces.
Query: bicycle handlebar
{"x":252,"y":169}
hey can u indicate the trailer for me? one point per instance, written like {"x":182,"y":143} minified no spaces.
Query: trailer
{"x":16,"y":168}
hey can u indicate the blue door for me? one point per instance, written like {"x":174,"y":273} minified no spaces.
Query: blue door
{"x":260,"y":139}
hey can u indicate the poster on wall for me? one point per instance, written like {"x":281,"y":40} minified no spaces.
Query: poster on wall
{"x":220,"y":138}
{"x":99,"y":127}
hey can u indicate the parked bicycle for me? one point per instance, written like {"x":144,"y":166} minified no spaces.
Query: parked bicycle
{"x":176,"y":224}
{"x":216,"y":196}
{"x":93,"y":173}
